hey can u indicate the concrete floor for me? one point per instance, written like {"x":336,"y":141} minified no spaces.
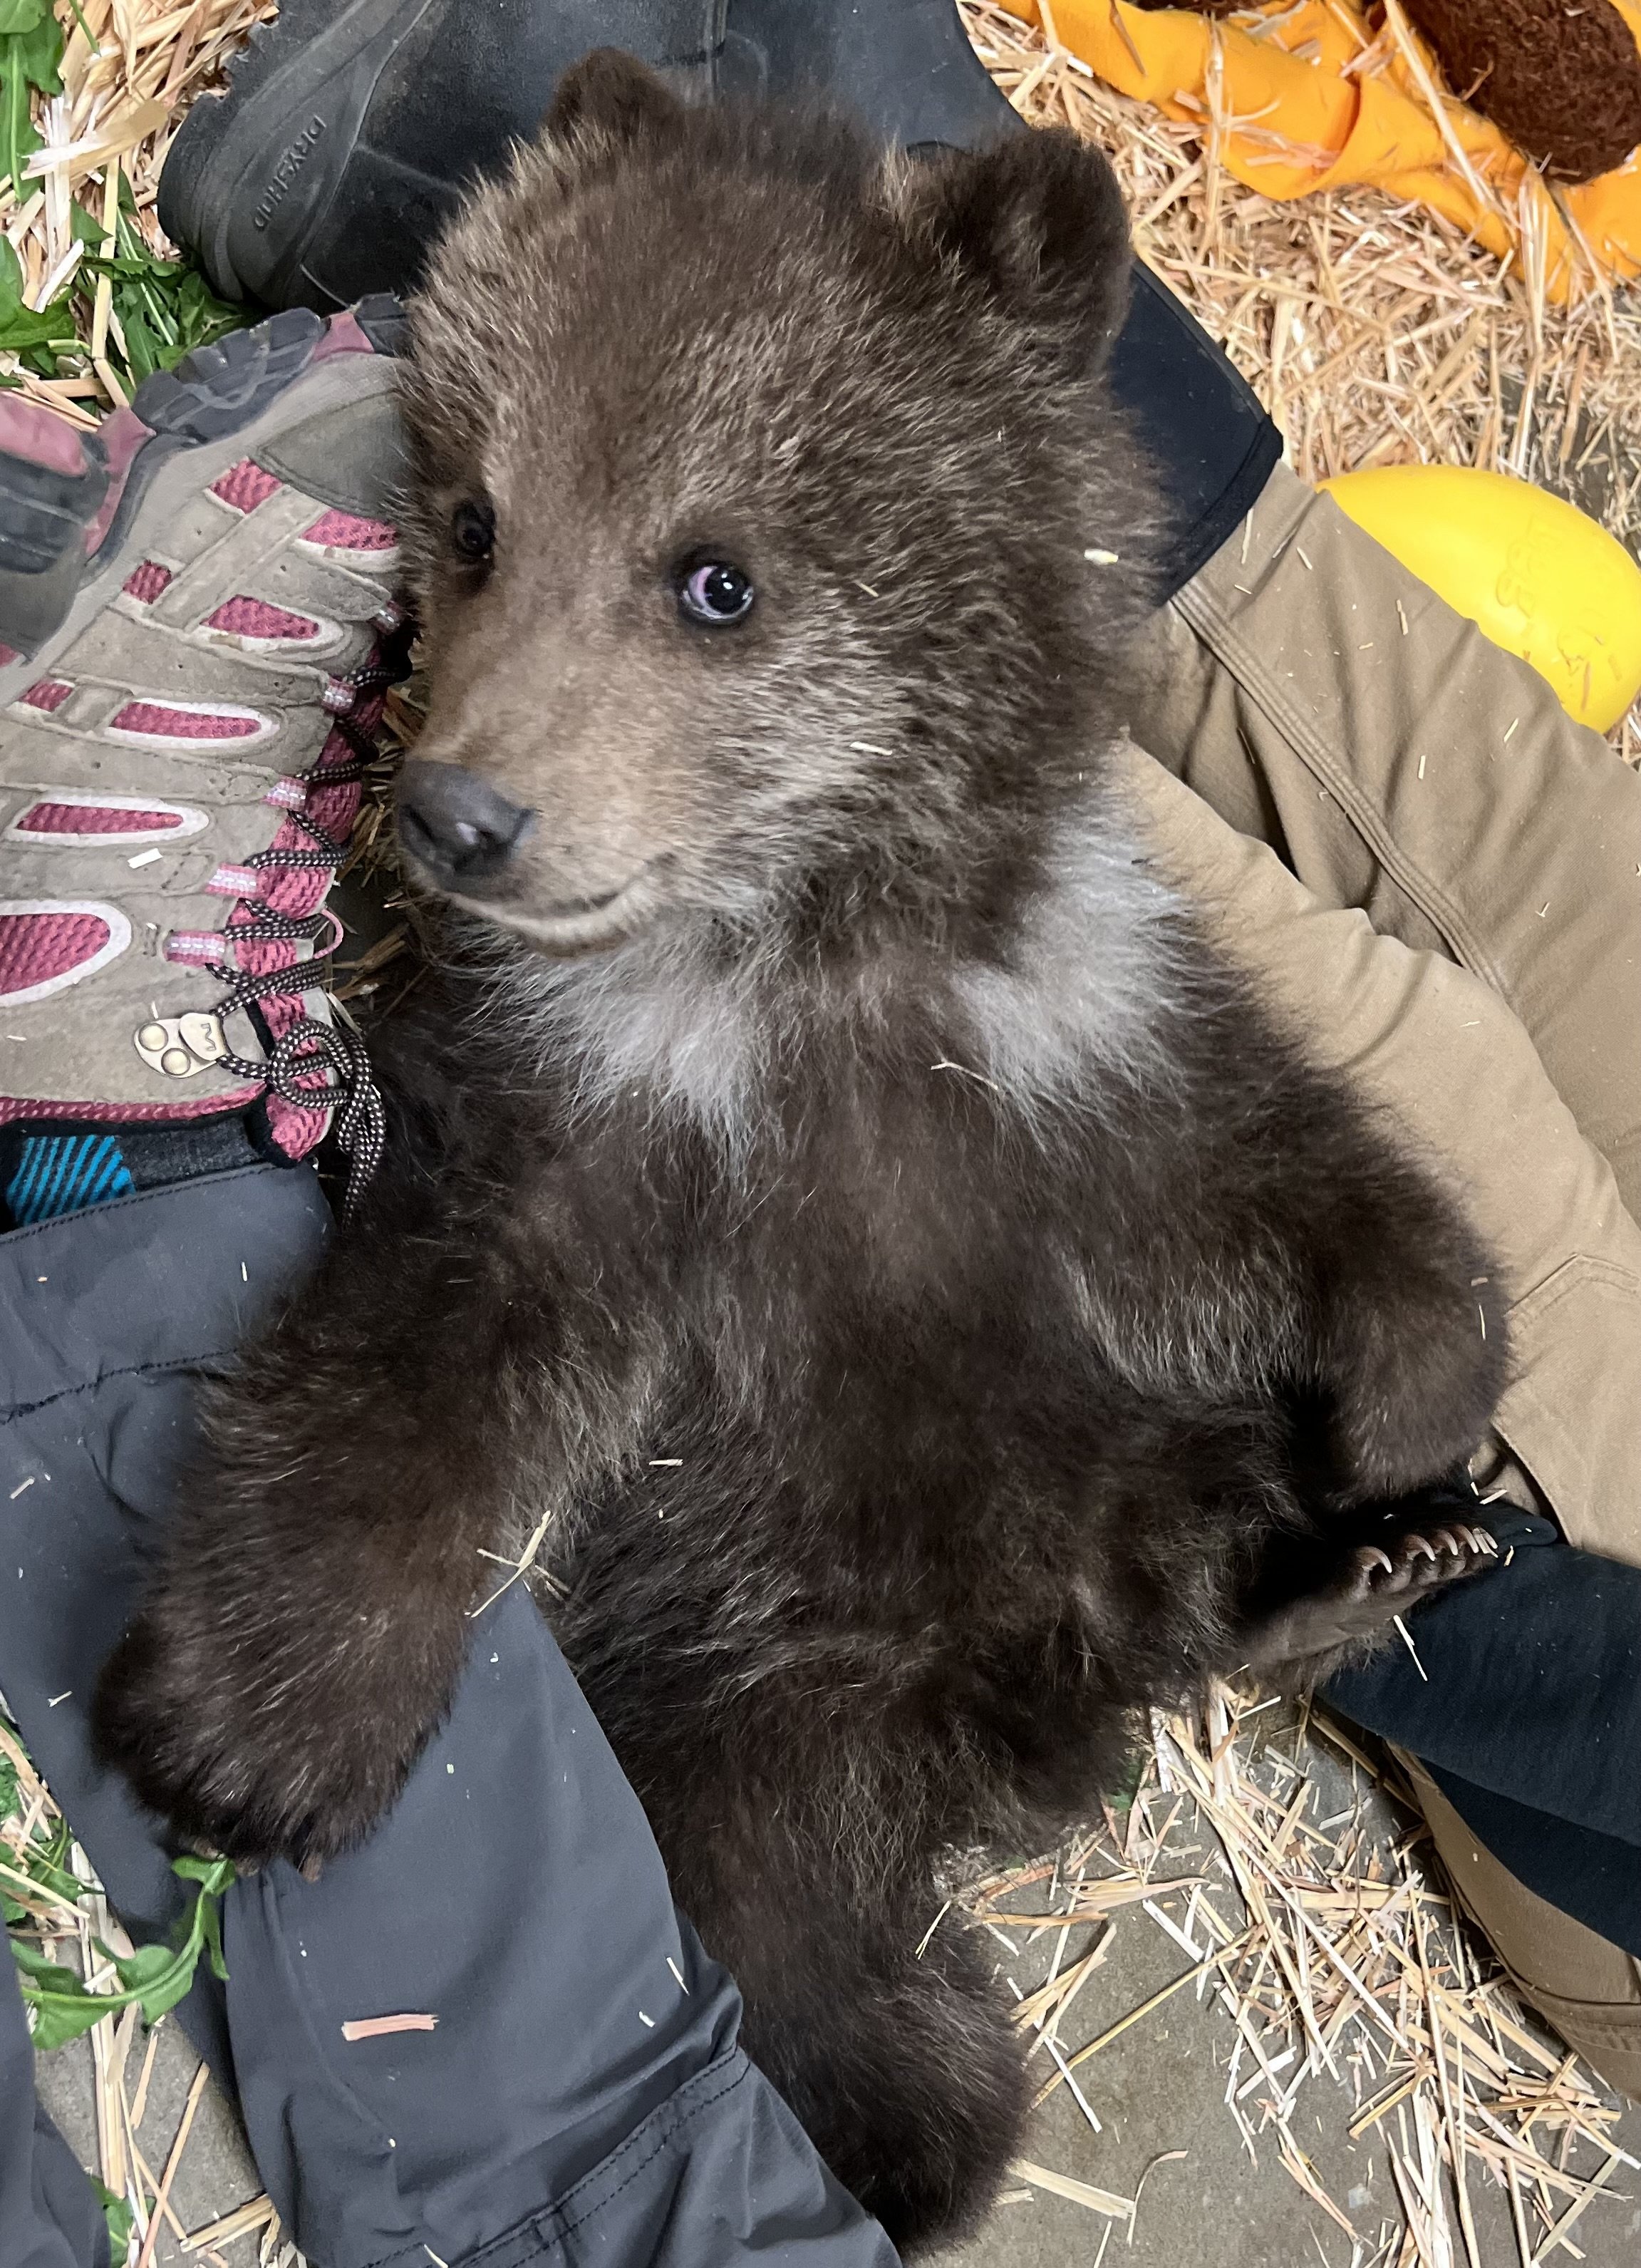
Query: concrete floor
{"x":215,"y":2173}
{"x":1157,"y":2089}
{"x":1160,"y":2089}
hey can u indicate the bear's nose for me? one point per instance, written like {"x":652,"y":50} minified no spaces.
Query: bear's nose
{"x":456,"y":825}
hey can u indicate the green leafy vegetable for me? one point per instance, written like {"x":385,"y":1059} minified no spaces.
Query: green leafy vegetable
{"x":160,"y":309}
{"x":120,"y":2219}
{"x":23,"y":329}
{"x":155,"y":1977}
{"x":31,"y":48}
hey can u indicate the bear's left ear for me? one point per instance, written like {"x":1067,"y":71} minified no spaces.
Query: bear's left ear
{"x":613,"y":98}
{"x":1038,"y":218}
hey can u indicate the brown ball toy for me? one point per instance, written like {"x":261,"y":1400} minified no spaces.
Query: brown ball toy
{"x":1561,"y":78}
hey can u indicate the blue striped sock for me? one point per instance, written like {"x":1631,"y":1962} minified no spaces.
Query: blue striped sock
{"x":64,"y":1173}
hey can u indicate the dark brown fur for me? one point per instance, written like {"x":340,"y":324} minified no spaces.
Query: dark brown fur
{"x":1561,"y":78}
{"x":1020,"y":1319}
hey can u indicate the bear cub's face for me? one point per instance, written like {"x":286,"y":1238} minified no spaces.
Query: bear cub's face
{"x":753,"y":477}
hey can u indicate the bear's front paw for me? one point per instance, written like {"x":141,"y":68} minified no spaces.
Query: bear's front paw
{"x":253,"y":1749}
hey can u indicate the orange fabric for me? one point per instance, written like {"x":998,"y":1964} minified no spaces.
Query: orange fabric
{"x":1294,"y":116}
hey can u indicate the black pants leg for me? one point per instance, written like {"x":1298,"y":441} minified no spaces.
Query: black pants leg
{"x":581,"y":2094}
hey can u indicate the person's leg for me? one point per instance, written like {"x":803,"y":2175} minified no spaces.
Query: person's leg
{"x":1320,"y":697}
{"x":1589,"y":1988}
{"x":103,"y":1314}
{"x":583,"y":2096}
{"x":568,"y":2085}
{"x":1455,"y":1072}
{"x":48,"y":2215}
{"x":1522,"y":1699}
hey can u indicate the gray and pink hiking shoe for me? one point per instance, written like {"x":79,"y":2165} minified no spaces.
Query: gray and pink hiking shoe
{"x":197,"y":629}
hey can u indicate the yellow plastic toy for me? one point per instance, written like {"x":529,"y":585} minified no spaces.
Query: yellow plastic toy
{"x":1541,"y":578}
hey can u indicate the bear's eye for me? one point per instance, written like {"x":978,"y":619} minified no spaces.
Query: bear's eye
{"x":714,"y":594}
{"x":472,"y":532}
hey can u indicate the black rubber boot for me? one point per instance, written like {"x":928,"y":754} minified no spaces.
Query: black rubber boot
{"x":347,"y":132}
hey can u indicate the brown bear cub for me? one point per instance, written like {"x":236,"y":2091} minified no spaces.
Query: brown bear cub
{"x":833,"y":1180}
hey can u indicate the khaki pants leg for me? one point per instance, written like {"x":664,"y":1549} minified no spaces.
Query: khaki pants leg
{"x":1321,"y":698}
{"x":1449,"y":1062}
{"x":1589,"y":1989}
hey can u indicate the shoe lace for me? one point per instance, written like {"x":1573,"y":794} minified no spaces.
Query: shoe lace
{"x":313,"y":1065}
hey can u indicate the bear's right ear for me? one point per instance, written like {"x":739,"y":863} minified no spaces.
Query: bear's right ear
{"x":1038,"y":221}
{"x":611,"y":98}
